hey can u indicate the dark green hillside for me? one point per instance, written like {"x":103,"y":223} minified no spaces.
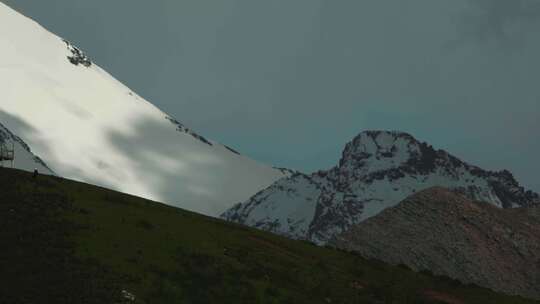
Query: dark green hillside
{"x":68,"y":242}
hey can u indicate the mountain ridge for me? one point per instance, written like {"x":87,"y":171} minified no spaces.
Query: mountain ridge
{"x":377,"y":170}
{"x":88,"y":126}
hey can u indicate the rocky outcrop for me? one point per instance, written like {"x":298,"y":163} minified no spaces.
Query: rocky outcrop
{"x":77,"y":55}
{"x":180,"y":127}
{"x":448,"y":234}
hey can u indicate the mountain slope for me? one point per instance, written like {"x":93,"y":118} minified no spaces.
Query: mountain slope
{"x":448,"y":234}
{"x":88,"y":126}
{"x":25,"y":159}
{"x":100,"y":246}
{"x":377,"y":170}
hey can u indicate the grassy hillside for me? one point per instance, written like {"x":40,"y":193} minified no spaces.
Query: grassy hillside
{"x":68,"y":242}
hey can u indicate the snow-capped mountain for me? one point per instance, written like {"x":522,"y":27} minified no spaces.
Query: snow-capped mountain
{"x":87,"y":126}
{"x":25,"y":159}
{"x":377,"y":170}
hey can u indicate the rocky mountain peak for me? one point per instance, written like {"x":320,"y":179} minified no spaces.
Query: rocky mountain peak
{"x":376,"y":140}
{"x":378,"y":150}
{"x":377,"y":155}
{"x":377,"y":170}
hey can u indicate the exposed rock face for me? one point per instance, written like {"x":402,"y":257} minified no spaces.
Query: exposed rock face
{"x":180,"y":127}
{"x":77,"y":56}
{"x":377,"y":170}
{"x":448,"y":234}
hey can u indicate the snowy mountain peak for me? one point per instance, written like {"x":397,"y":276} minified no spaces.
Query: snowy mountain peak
{"x":380,"y":142}
{"x":88,"y":126}
{"x":377,"y":170}
{"x":372,"y":151}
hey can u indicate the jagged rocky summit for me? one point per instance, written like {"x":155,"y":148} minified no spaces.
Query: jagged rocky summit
{"x":377,"y":170}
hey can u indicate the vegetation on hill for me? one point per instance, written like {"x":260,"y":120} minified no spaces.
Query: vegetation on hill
{"x":69,"y":242}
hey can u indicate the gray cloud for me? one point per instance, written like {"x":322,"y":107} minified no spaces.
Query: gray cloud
{"x":503,"y":21}
{"x":289,"y":82}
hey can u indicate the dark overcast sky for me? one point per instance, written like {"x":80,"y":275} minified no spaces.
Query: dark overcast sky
{"x":289,"y":82}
